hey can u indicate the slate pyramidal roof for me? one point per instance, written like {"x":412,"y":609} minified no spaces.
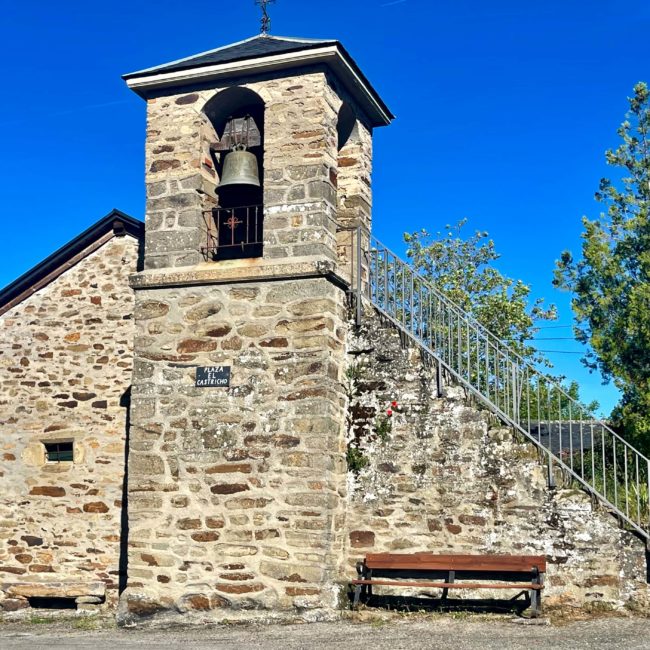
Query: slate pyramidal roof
{"x":262,"y":54}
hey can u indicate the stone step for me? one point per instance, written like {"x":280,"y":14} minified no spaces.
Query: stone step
{"x":54,"y":589}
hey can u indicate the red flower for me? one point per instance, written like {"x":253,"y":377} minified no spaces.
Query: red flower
{"x":394,"y":404}
{"x":389,"y":412}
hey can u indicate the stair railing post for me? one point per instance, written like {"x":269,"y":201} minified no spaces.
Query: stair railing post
{"x":515,"y":392}
{"x":551,"y":473}
{"x":439,"y":390}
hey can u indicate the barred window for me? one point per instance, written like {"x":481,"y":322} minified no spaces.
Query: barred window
{"x":59,"y":452}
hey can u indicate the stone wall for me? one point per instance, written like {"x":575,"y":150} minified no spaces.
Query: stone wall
{"x":300,"y":168}
{"x":240,"y":504}
{"x":65,"y":369}
{"x":238,"y":496}
{"x":441,"y":475}
{"x":235,"y":493}
{"x":354,"y":178}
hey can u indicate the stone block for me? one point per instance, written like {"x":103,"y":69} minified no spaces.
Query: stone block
{"x":142,"y":606}
{"x":229,"y":488}
{"x":291,"y":572}
{"x":98,"y":507}
{"x":146,"y":464}
{"x":164,"y":165}
{"x":231,"y":468}
{"x":362,"y":538}
{"x":205,"y":536}
{"x":239,"y":589}
{"x":48,"y":491}
{"x":201,"y":602}
{"x":162,"y":242}
{"x":56,"y":589}
{"x":88,"y":600}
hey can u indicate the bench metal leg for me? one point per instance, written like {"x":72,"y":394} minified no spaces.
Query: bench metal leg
{"x":363,"y":574}
{"x":357,"y":595}
{"x":534,"y":603}
{"x":536,"y":596}
{"x":451,"y":578}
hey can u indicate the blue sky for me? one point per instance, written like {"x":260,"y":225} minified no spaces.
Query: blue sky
{"x":504,"y":110}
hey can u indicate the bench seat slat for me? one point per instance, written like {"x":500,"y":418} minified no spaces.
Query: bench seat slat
{"x":429,"y":561}
{"x":448,"y":585}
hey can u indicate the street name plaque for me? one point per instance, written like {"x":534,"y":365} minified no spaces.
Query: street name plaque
{"x":213,"y":377}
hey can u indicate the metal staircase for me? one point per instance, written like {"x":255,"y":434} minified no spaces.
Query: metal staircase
{"x":524,"y":398}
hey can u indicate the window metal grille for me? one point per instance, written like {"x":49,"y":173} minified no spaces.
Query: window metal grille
{"x":234,"y":233}
{"x":59,"y":452}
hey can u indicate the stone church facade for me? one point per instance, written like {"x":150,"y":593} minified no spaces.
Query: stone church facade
{"x":125,"y":479}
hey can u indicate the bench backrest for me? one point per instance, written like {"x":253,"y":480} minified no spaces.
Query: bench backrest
{"x":436,"y":562}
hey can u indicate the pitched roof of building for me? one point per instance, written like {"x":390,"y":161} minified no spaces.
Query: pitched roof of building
{"x":114,"y":224}
{"x":254,"y":47}
{"x":259,"y":54}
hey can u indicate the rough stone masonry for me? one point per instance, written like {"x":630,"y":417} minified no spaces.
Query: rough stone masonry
{"x":236,"y":495}
{"x":66,"y":355}
{"x":255,"y":500}
{"x":443,"y":475}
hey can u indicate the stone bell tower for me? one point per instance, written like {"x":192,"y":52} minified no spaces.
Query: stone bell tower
{"x":236,"y":473}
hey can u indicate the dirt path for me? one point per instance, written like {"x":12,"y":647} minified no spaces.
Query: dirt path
{"x":398,"y":634}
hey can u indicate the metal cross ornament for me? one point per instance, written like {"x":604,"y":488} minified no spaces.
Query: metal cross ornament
{"x":266,"y":20}
{"x":233,"y":222}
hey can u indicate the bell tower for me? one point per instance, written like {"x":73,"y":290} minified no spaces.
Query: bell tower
{"x":257,"y":154}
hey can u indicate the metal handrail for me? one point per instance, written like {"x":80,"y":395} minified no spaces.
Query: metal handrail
{"x":536,"y":405}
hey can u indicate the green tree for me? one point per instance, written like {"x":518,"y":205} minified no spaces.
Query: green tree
{"x":463,"y":269}
{"x":610,"y":282}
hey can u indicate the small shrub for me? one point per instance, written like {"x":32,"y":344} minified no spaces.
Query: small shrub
{"x":85,"y":623}
{"x":34,"y":619}
{"x":353,"y":372}
{"x":356,"y":459}
{"x":383,"y":427}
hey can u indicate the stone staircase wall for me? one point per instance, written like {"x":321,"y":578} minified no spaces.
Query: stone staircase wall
{"x":443,"y":475}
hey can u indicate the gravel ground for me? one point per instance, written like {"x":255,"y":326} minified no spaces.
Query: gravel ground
{"x":439,"y":632}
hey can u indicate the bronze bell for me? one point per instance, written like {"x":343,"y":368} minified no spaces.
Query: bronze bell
{"x":240,"y":168}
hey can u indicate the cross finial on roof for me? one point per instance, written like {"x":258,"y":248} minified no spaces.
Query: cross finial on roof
{"x":266,"y":20}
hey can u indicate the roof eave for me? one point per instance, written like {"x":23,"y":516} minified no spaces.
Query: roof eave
{"x":51,"y":267}
{"x":299,"y":43}
{"x":333,"y":55}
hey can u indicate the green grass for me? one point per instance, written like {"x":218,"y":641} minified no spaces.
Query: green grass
{"x":35,"y":619}
{"x":85,"y":623}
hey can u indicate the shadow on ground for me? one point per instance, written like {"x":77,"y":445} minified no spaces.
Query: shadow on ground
{"x":516,"y":605}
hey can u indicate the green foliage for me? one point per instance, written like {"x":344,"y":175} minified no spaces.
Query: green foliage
{"x":610,"y":282}
{"x":543,"y":400}
{"x":355,"y":459}
{"x":35,"y":619}
{"x":353,"y":373}
{"x":463,"y":269}
{"x":383,"y":427}
{"x":85,"y":623}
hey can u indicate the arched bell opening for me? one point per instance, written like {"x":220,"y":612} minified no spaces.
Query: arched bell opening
{"x":345,"y":125}
{"x":237,"y":228}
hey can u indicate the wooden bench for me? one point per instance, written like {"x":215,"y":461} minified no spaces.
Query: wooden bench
{"x":523,"y":572}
